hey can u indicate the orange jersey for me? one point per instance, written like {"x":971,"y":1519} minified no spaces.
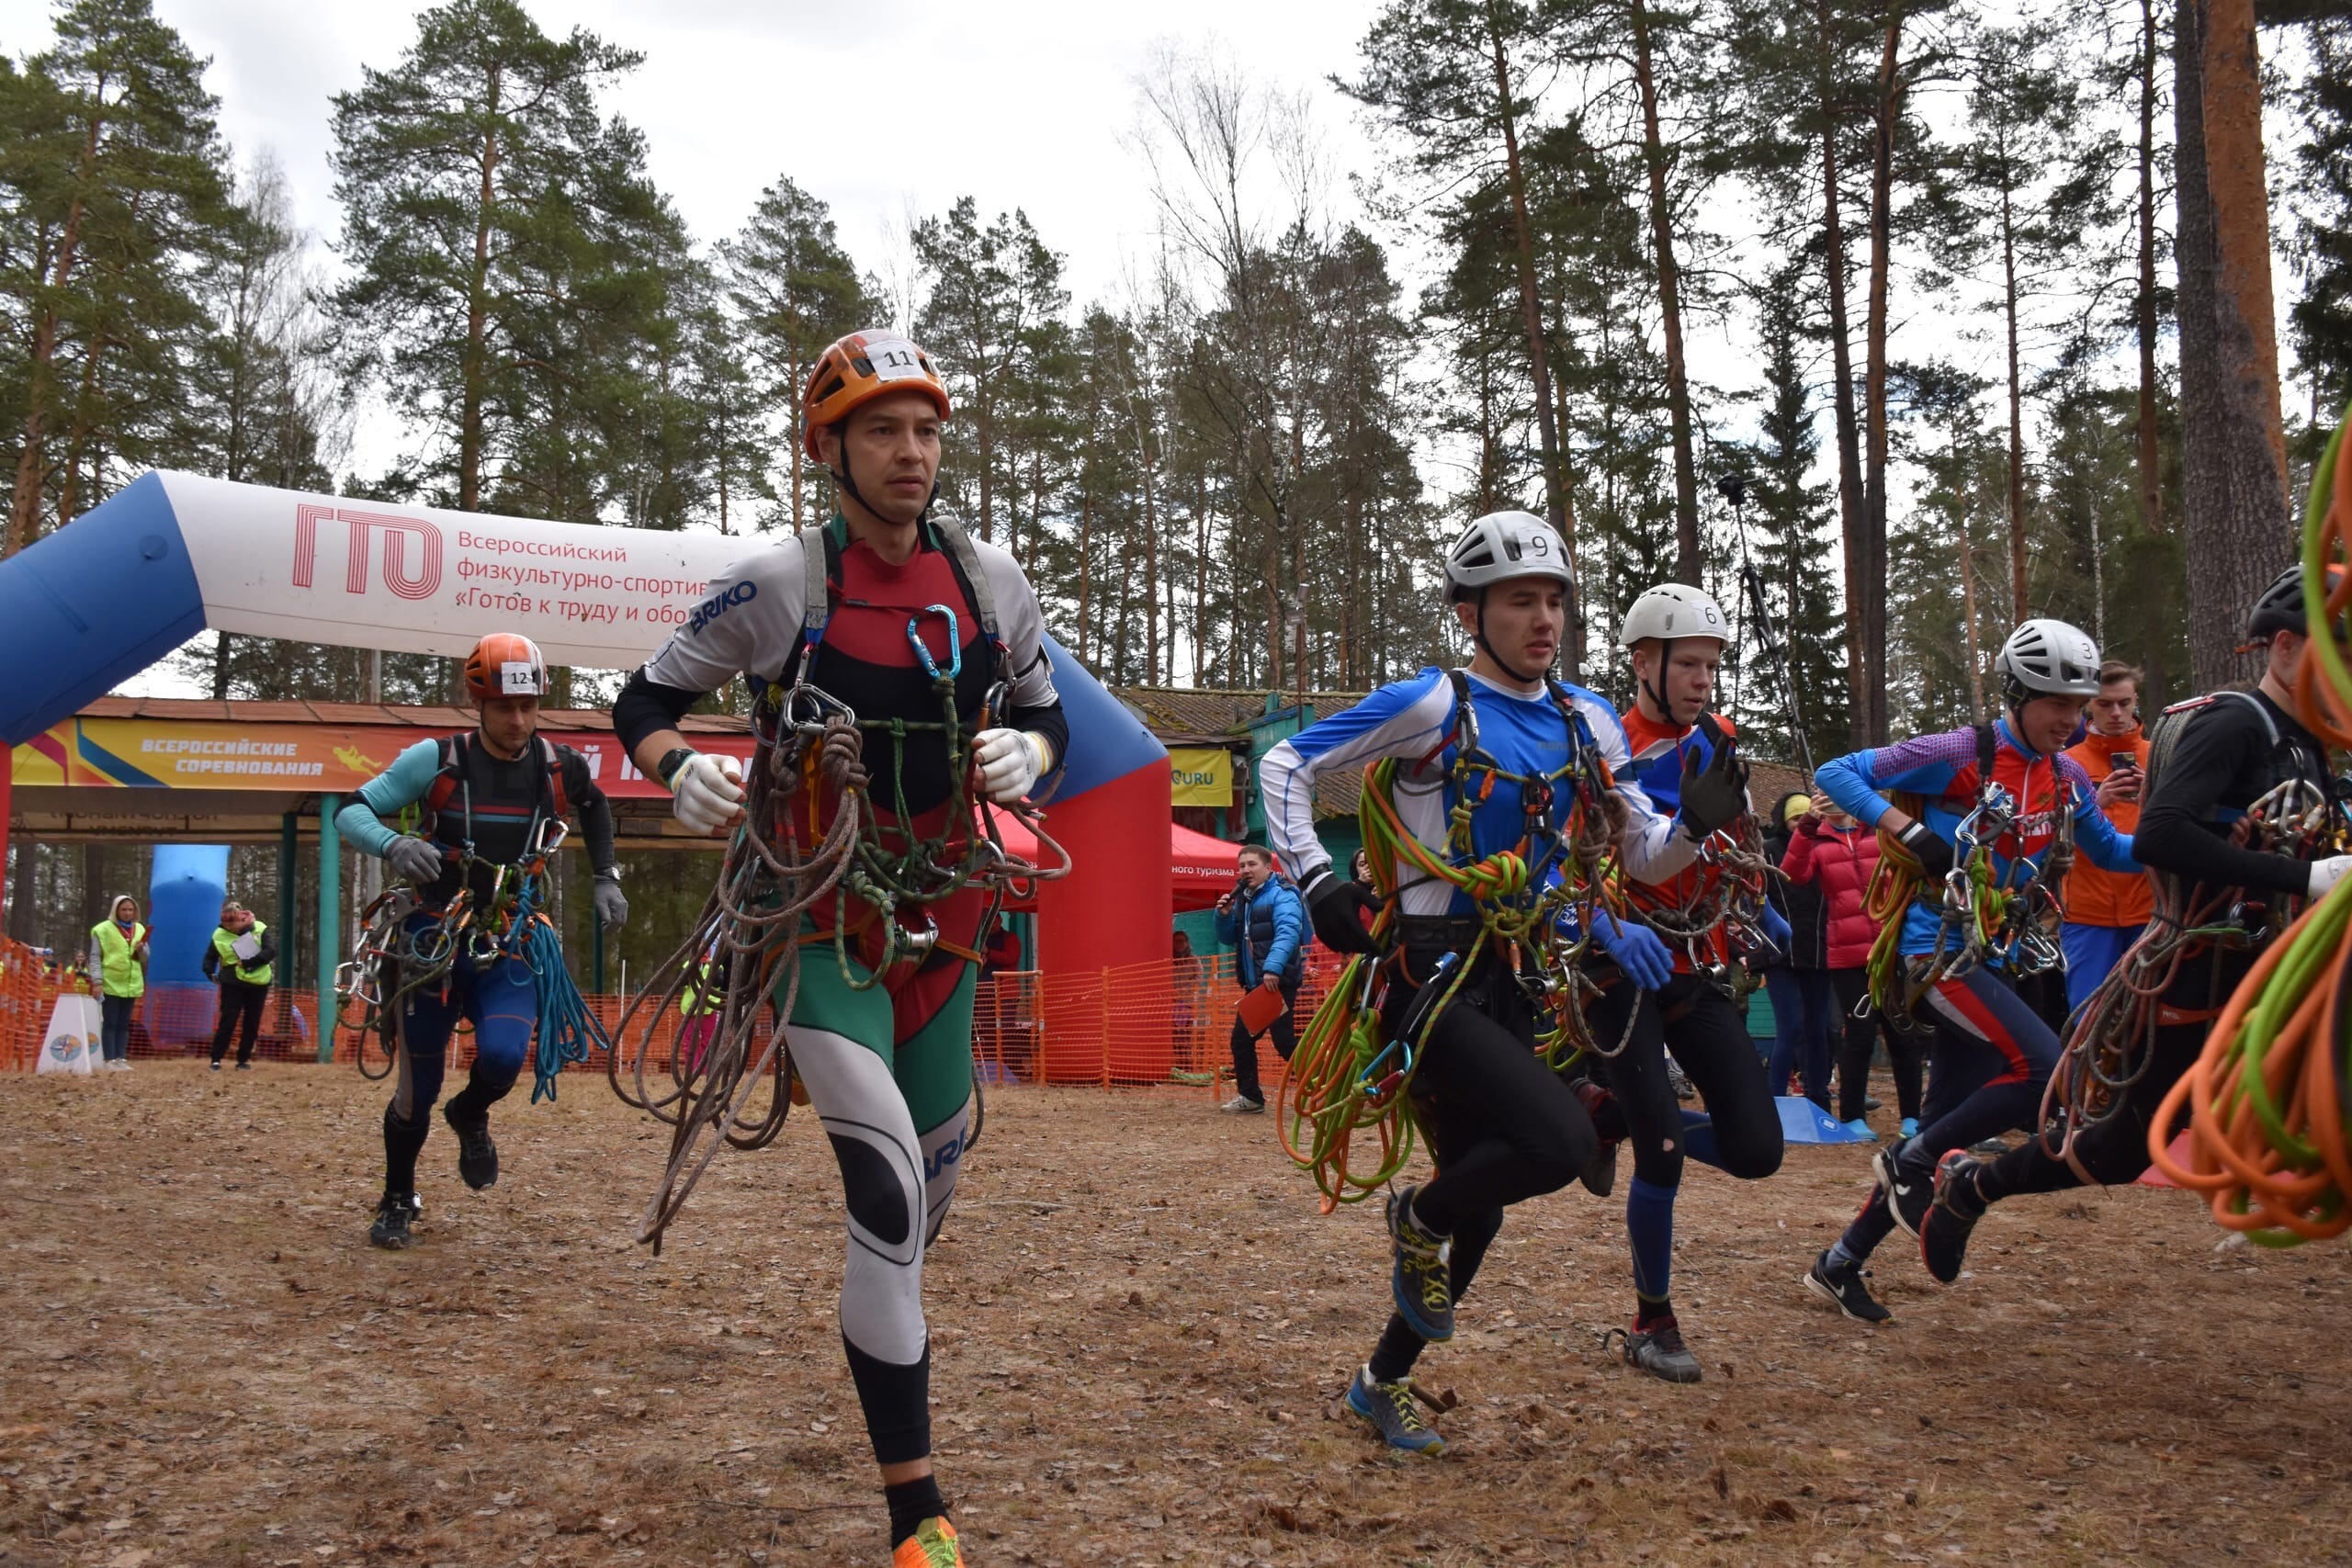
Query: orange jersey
{"x":1658,"y":752}
{"x":2096,"y":896}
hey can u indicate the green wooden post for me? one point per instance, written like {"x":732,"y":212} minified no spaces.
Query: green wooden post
{"x":288,"y":948}
{"x":330,"y":920}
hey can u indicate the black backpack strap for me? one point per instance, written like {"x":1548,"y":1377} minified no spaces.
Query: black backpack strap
{"x":555,"y":757}
{"x":1988,"y":746}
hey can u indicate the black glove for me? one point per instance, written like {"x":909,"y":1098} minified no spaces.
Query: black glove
{"x":1339,"y":908}
{"x":1929,"y":848}
{"x":1716,"y":795}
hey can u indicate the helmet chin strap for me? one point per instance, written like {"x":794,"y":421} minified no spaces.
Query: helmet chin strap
{"x":1656,"y":688}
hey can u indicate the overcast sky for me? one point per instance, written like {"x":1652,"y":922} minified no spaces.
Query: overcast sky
{"x":874,"y":107}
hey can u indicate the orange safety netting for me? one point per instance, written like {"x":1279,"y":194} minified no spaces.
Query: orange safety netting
{"x":1169,"y":1021}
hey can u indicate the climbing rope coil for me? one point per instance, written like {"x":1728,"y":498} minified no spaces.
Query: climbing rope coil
{"x":1349,"y":1077}
{"x":814,"y":862}
{"x":1981,"y":915}
{"x":2268,"y":1118}
{"x":393,"y":958}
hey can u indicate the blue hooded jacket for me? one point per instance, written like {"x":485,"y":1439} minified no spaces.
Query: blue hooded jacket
{"x":1275,"y":924}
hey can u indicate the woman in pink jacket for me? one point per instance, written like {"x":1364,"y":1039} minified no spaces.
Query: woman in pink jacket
{"x":1838,"y":855}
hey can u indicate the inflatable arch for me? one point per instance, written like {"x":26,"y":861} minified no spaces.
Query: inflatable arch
{"x":174,"y":553}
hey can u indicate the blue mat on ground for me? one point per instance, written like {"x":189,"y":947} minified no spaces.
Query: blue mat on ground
{"x":1803,"y":1122}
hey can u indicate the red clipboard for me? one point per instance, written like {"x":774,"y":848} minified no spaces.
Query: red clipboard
{"x":1259,"y":1009}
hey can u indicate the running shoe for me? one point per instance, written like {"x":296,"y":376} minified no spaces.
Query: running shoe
{"x":1600,"y":1174}
{"x":1243,"y":1105}
{"x":932,"y":1546}
{"x":1422,"y":1280}
{"x":1910,"y":1128}
{"x":1943,"y":1234}
{"x":1908,"y":1196}
{"x":1660,"y":1351}
{"x":476,"y":1156}
{"x":1862,"y":1129}
{"x":393,"y":1213}
{"x":1389,"y":1407}
{"x":1842,"y":1288}
{"x":216,"y":1066}
{"x":1683,"y":1087}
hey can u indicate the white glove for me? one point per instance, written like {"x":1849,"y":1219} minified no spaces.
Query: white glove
{"x":708,"y":793}
{"x":2327,"y":874}
{"x":1010,"y":763}
{"x":414,"y":860}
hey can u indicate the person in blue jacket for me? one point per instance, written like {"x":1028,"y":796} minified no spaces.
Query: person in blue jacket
{"x":1263,"y":922}
{"x":1502,"y":1126}
{"x":1991,"y":1054}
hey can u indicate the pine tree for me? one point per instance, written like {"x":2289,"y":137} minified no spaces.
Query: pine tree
{"x":795,"y":290}
{"x":116,"y":196}
{"x":456,"y":169}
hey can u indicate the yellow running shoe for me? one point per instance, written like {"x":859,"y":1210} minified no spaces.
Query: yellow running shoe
{"x":932,"y":1546}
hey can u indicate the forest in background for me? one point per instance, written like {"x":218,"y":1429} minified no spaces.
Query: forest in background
{"x":1240,"y":470}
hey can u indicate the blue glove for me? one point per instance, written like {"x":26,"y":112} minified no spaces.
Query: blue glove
{"x":1639,"y":951}
{"x":1776,"y":929}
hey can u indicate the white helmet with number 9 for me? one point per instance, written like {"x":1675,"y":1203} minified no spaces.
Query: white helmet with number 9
{"x":1502,"y":546}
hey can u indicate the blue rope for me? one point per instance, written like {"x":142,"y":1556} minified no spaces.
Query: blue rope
{"x":567,"y":1030}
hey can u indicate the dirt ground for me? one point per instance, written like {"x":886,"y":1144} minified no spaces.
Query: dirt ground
{"x":1139,"y":1327}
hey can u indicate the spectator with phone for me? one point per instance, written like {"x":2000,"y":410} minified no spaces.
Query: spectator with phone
{"x":2106,"y":910}
{"x":1266,"y":924}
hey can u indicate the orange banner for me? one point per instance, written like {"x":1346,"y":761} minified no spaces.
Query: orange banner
{"x":148,"y":753}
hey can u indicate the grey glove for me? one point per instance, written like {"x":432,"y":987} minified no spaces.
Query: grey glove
{"x":611,"y":907}
{"x":414,"y":860}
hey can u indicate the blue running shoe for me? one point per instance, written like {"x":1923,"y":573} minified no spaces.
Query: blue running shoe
{"x":1862,"y":1129}
{"x":1422,"y":1280}
{"x":1910,"y":1128}
{"x":1389,"y":1407}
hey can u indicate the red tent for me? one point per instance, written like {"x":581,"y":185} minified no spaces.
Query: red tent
{"x":1202,"y":867}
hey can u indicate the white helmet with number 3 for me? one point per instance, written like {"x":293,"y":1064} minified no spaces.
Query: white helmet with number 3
{"x":2047,"y":657}
{"x":1673,"y":610}
{"x":1502,"y":546}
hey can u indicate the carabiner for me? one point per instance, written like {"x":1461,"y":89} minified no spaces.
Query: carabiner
{"x":954,"y":643}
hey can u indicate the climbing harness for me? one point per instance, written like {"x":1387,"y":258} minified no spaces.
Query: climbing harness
{"x":1349,"y":1077}
{"x":2268,"y":1118}
{"x":818,"y":862}
{"x":1984,"y":914}
{"x":498,"y":912}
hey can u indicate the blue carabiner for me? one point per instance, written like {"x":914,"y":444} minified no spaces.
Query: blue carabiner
{"x":954,"y":643}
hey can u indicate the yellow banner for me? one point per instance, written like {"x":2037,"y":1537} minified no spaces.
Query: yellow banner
{"x":1203,"y":775}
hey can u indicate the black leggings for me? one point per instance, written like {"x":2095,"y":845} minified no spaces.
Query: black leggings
{"x":1708,"y":1037}
{"x":1501,"y":1127}
{"x":2116,"y":1151}
{"x":1905,"y":1050}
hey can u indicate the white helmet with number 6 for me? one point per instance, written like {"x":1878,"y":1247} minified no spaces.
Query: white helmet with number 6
{"x":1670,"y":611}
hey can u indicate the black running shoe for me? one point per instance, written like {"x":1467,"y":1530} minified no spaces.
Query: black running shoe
{"x":1660,"y":1351}
{"x":1943,"y":1234}
{"x":1600,"y":1174}
{"x":1842,"y":1288}
{"x":476,"y":1156}
{"x":1422,"y":1280}
{"x":1907,"y":1194}
{"x":393,"y":1213}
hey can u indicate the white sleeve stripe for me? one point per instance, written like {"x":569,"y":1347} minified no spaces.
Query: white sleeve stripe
{"x":1288,"y":780}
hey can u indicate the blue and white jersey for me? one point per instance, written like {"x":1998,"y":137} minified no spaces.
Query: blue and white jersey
{"x":1414,"y":720}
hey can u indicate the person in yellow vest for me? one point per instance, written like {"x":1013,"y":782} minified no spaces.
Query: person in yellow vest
{"x":119,"y":965}
{"x":699,"y":1001}
{"x":240,"y":956}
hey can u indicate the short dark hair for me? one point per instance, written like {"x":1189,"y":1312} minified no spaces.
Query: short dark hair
{"x":1261,"y":850}
{"x":2115,"y":670}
